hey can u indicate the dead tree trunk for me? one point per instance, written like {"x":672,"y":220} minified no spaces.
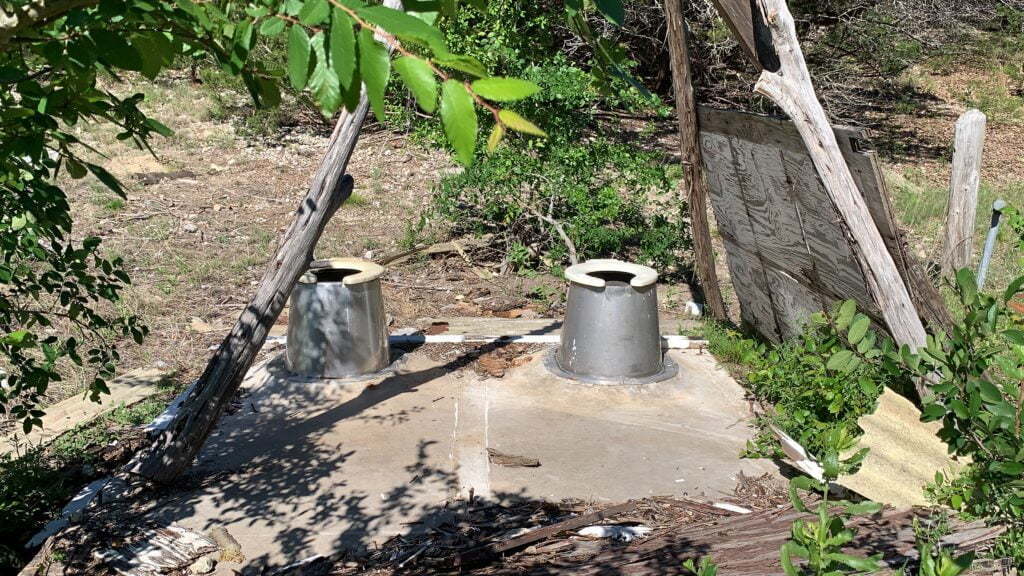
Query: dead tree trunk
{"x":969,"y":140}
{"x":790,"y":87}
{"x":693,"y":169}
{"x":173,"y":450}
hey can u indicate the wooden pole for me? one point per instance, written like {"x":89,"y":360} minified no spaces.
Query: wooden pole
{"x":172,"y":452}
{"x":790,"y":87}
{"x":689,"y":150}
{"x":958,"y":246}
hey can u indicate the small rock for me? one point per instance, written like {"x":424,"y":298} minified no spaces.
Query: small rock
{"x":204,"y":565}
{"x":189,"y":227}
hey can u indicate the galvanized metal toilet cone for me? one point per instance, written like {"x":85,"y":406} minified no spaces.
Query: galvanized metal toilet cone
{"x":610,"y":334}
{"x":336,"y":325}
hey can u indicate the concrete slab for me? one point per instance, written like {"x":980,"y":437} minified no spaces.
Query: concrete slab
{"x":612,"y":443}
{"x":311,"y":467}
{"x":315,"y":467}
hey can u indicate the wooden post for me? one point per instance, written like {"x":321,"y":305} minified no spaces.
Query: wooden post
{"x":172,"y":452}
{"x":958,"y":246}
{"x":689,"y":150}
{"x":790,"y":87}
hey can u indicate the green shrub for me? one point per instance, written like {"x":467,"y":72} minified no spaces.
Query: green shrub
{"x":809,"y":399}
{"x":31,"y":492}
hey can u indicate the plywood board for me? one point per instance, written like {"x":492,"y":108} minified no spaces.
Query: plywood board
{"x":786,"y":245}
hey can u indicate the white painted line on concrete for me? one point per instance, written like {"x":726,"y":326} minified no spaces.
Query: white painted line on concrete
{"x":671,"y":341}
{"x":472,"y":439}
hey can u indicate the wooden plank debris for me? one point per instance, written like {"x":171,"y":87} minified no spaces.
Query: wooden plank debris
{"x":125,"y":390}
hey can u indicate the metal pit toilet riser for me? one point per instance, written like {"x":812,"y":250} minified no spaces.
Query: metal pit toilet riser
{"x":611,"y":334}
{"x":337,"y":327}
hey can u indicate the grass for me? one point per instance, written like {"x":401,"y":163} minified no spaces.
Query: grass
{"x":920,"y":207}
{"x":108,"y":202}
{"x":994,"y":95}
{"x":35,"y":486}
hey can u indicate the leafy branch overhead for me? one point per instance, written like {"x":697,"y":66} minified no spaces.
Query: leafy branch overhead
{"x":335,"y":47}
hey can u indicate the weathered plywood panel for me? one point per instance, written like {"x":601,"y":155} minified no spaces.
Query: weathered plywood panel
{"x":751,"y":286}
{"x":836,"y":271}
{"x":792,"y":302}
{"x":783,"y":234}
{"x":723,"y":183}
{"x":771,"y":209}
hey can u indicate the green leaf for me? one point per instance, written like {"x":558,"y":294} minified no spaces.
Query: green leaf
{"x":324,"y":82}
{"x":504,"y":89}
{"x":858,"y":328}
{"x":114,"y":50}
{"x":1015,"y":336}
{"x":786,"y":553}
{"x":272,"y":27}
{"x":497,"y":134}
{"x":845,"y":314}
{"x":106,"y":178}
{"x":1013,"y":289}
{"x":459,"y":119}
{"x":375,"y":67}
{"x":406,"y":27}
{"x":19,"y":338}
{"x":855,"y":562}
{"x":418,"y":76}
{"x":75,"y":168}
{"x":967,"y":285}
{"x":342,"y":47}
{"x":612,"y":10}
{"x":839,"y":361}
{"x":989,"y":392}
{"x":1008,"y":468}
{"x":466,"y":64}
{"x":314,"y":12}
{"x":158,"y":127}
{"x":867,"y":386}
{"x":298,"y":57}
{"x":516,"y":122}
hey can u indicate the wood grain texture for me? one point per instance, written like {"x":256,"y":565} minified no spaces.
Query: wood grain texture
{"x":750,"y":282}
{"x":738,"y":16}
{"x":769,"y":199}
{"x":791,"y":88}
{"x":961,"y":211}
{"x":693,"y":170}
{"x":793,"y":302}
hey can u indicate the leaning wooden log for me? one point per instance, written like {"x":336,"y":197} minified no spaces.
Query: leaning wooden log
{"x":958,"y":247}
{"x":172,"y":452}
{"x":790,"y":87}
{"x":693,"y":168}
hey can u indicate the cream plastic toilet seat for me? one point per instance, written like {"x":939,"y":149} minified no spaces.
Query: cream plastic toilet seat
{"x":582,"y":273}
{"x":367,"y":270}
